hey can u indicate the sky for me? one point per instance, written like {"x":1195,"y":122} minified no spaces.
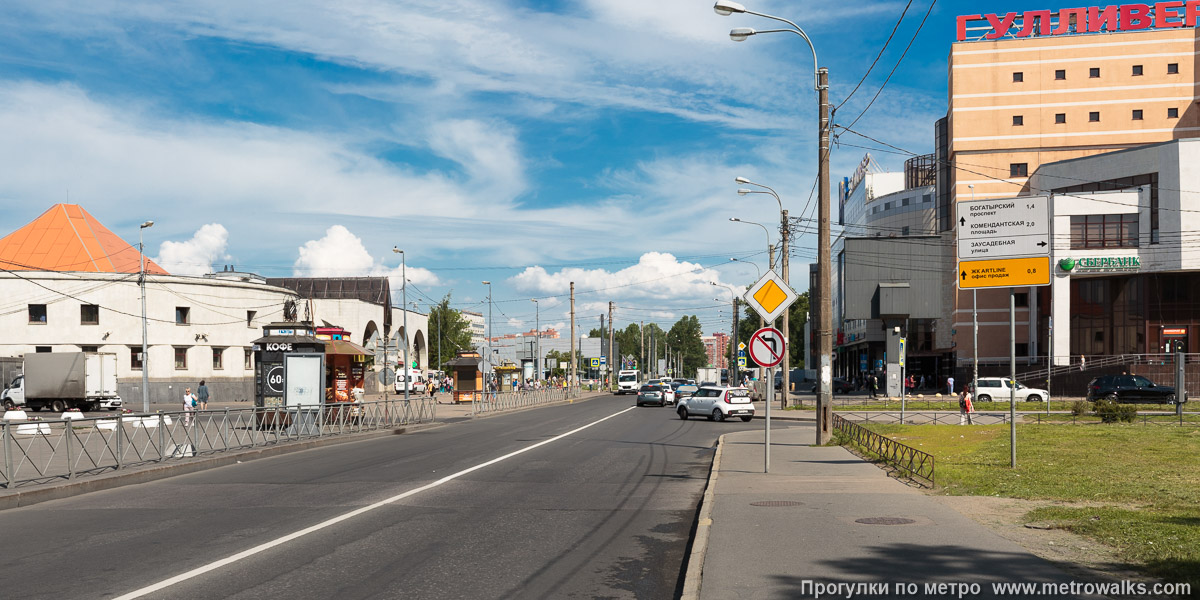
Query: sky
{"x":527,"y":143}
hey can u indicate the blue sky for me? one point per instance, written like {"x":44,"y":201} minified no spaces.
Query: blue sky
{"x":527,"y":143}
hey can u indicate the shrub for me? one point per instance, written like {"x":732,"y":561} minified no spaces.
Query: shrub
{"x":1111,"y":412}
{"x":1079,"y":408}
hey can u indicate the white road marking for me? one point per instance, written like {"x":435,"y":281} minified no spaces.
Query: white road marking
{"x":338,"y":519}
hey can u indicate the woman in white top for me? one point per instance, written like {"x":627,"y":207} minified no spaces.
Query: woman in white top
{"x":189,"y":405}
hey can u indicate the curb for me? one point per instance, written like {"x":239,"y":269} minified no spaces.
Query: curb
{"x":695,"y":567}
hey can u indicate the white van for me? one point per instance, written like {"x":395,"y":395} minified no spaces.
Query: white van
{"x":415,"y":383}
{"x":627,"y":381}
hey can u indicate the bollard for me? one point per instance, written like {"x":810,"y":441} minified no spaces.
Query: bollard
{"x":8,"y":461}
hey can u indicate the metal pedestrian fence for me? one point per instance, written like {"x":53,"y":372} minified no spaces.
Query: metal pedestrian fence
{"x":914,"y":462}
{"x":486,"y":402}
{"x":42,"y":451}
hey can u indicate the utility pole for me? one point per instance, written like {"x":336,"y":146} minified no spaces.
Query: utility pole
{"x":603,"y":354}
{"x":784,"y":264}
{"x":573,"y":374}
{"x":825,"y":326}
{"x":733,"y":343}
{"x":642,"y":332}
{"x":608,"y":364}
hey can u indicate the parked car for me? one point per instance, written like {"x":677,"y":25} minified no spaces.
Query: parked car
{"x":996,"y":389}
{"x":718,"y":403}
{"x":840,"y":386}
{"x":1129,"y":389}
{"x":651,"y":394}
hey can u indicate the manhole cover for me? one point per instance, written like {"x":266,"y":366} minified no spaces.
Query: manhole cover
{"x":776,"y":503}
{"x":884,"y":521}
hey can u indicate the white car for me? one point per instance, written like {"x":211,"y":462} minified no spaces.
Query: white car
{"x":718,"y":403}
{"x":996,"y":389}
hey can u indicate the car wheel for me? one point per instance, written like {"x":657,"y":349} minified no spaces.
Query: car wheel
{"x":639,"y":404}
{"x":1033,"y":398}
{"x":1112,"y":397}
{"x":58,"y":406}
{"x":717,"y":415}
{"x":746,"y":419}
{"x":9,"y":405}
{"x":985,"y":398}
{"x":683,"y":413}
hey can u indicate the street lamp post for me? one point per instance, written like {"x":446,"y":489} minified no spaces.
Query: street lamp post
{"x":404,"y":303}
{"x":824,"y":278}
{"x":142,"y":283}
{"x":489,"y":328}
{"x":537,"y":339}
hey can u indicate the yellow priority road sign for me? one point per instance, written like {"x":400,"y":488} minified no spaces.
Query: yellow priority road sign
{"x":1003,"y":272}
{"x":770,"y":296}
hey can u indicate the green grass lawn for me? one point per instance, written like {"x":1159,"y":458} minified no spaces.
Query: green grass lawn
{"x":1136,"y":487}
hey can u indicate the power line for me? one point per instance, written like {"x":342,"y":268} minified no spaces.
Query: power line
{"x":877,"y":56}
{"x":897,"y":65}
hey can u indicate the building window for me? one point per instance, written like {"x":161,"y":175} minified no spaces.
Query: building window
{"x":887,"y":206}
{"x":1172,"y":113}
{"x":218,"y":359}
{"x":904,"y":231}
{"x":248,"y":359}
{"x":874,"y":209}
{"x":1060,"y":118}
{"x":37,"y":313}
{"x":41,"y":349}
{"x":1060,"y":74}
{"x":1172,"y":68}
{"x":1021,"y":299}
{"x":1137,"y":70}
{"x":89,"y":314}
{"x":90,"y":348}
{"x":904,"y":201}
{"x":1018,"y":77}
{"x":1137,"y":114}
{"x":135,"y":359}
{"x":927,"y":198}
{"x":1104,"y":231}
{"x":1018,"y":170}
{"x":250,"y":317}
{"x":183,"y":315}
{"x":1018,"y":120}
{"x":181,"y":359}
{"x":1094,"y":116}
{"x":1094,"y":72}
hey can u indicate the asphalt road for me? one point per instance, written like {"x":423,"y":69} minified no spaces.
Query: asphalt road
{"x":604,"y":511}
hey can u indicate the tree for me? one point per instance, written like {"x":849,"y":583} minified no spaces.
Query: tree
{"x":449,"y":331}
{"x":797,"y":317}
{"x":684,"y":339}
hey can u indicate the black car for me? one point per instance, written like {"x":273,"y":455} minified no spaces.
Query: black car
{"x":1129,"y":389}
{"x":651,"y":394}
{"x":840,"y":386}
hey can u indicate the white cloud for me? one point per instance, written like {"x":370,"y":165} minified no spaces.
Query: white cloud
{"x":342,"y":254}
{"x":197,"y":255}
{"x":656,"y":277}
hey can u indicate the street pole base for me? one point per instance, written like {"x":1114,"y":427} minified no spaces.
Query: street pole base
{"x":824,"y":423}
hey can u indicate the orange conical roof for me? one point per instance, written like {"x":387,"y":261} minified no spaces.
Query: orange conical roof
{"x":67,"y":238}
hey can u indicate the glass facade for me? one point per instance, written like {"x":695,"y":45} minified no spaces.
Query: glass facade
{"x":1126,"y":314}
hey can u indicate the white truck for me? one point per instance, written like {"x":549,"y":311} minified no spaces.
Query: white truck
{"x":627,"y":381}
{"x":708,"y":375}
{"x":62,"y":380}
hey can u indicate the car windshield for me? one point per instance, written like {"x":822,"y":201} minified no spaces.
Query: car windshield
{"x":630,"y":377}
{"x":649,"y":388}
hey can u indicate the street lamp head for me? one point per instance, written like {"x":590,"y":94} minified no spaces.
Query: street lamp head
{"x":397,"y":250}
{"x":486,"y":282}
{"x":726,"y":8}
{"x":744,"y":191}
{"x":739,"y":34}
{"x":741,"y":180}
{"x":147,"y":224}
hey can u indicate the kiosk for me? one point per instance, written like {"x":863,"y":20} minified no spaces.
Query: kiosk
{"x":468,"y":378}
{"x":289,"y":362}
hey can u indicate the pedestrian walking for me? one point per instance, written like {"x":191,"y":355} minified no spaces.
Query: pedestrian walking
{"x":189,"y":406}
{"x":950,"y":385}
{"x":202,"y":395}
{"x":965,"y":408}
{"x":433,"y":390}
{"x":874,"y":383}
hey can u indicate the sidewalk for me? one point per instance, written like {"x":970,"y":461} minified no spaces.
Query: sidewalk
{"x":763,"y":535}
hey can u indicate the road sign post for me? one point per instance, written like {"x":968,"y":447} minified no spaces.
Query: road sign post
{"x":1004,"y":243}
{"x":768,"y":347}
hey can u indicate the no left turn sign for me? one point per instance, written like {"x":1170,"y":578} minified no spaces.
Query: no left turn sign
{"x":767,"y":347}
